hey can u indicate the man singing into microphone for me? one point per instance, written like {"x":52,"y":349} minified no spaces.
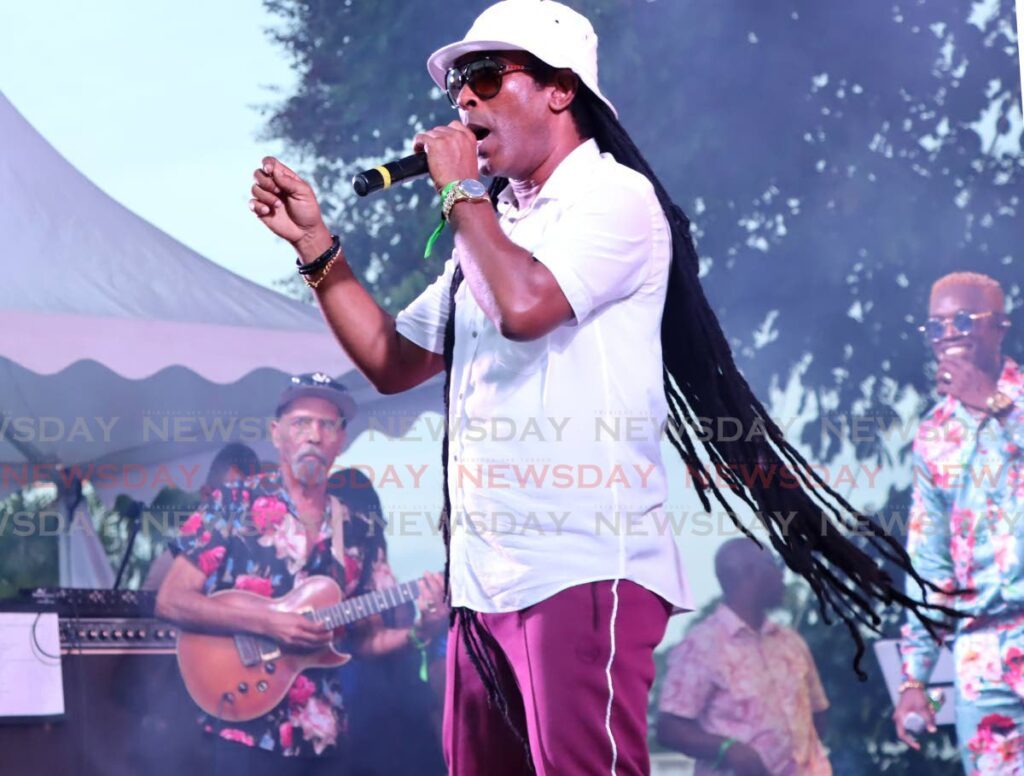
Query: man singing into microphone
{"x":571,"y":301}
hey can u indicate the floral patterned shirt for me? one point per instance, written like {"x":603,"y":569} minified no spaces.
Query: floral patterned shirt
{"x":761,"y":688}
{"x":965,"y":529}
{"x":248,"y":537}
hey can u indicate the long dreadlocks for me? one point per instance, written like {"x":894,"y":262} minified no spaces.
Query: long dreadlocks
{"x":478,"y":642}
{"x":805,"y":524}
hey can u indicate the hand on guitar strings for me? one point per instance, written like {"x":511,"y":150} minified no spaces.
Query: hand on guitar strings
{"x":296,"y":631}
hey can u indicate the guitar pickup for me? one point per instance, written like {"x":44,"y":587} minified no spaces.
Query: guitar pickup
{"x":269,"y":650}
{"x":253,"y":650}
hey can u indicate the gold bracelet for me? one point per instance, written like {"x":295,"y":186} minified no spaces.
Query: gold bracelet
{"x":327,"y":268}
{"x":911,"y":684}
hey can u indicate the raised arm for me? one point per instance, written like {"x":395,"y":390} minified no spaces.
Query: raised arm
{"x":287,"y":206}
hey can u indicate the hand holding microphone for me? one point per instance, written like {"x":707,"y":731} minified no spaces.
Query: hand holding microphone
{"x":914,"y":714}
{"x":448,"y":153}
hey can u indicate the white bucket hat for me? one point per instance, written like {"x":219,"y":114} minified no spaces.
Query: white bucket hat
{"x":552,"y":32}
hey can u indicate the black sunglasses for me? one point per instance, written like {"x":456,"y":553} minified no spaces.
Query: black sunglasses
{"x":483,"y":76}
{"x":963,"y":322}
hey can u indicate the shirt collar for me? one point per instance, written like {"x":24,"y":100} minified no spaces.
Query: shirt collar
{"x":734,"y":625}
{"x":568,"y":174}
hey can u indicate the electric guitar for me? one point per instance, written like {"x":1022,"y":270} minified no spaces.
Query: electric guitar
{"x":243,"y":676}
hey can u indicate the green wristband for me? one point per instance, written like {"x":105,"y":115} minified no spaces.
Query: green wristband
{"x":440,"y":226}
{"x":421,"y":645}
{"x":722,"y":749}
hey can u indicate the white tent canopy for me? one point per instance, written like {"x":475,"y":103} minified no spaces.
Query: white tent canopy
{"x":120,"y":346}
{"x":85,"y":278}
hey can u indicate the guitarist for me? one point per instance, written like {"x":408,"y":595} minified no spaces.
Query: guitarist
{"x":265,"y":535}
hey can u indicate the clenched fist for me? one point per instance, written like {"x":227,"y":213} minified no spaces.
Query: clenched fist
{"x":451,"y":153}
{"x":287,"y":206}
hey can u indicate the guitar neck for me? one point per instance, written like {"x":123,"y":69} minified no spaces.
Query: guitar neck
{"x":359,"y":608}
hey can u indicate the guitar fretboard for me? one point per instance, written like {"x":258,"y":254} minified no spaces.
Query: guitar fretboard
{"x":252,"y":649}
{"x":366,"y":605}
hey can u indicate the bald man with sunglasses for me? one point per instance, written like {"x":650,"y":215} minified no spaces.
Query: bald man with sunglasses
{"x":965,"y":531}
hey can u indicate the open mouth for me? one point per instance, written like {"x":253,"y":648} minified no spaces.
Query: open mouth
{"x":479,"y":132}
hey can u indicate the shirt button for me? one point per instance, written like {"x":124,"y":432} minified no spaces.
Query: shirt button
{"x":474,"y":335}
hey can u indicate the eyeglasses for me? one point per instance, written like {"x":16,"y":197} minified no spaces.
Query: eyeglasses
{"x":963,"y":322}
{"x":328,"y":427}
{"x":483,"y":76}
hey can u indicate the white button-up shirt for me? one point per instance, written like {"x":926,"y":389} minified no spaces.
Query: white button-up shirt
{"x":555,"y":471}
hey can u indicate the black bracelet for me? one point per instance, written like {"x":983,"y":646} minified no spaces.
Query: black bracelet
{"x":320,"y":261}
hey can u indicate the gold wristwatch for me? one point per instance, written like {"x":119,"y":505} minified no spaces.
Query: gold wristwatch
{"x":468,"y":188}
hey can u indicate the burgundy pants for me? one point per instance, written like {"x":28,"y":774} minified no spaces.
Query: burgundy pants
{"x":582,"y":708}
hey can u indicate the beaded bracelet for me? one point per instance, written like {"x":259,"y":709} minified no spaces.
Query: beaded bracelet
{"x":911,"y":684}
{"x":321,"y":261}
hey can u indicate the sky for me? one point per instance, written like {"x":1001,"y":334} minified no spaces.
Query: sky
{"x":157,"y":103}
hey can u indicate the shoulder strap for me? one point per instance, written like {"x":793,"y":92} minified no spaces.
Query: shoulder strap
{"x":337,"y":529}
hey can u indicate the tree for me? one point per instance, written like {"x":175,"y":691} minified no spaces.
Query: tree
{"x":801,"y":154}
{"x":158,"y":526}
{"x":835,"y":157}
{"x":28,"y":544}
{"x":32,"y":518}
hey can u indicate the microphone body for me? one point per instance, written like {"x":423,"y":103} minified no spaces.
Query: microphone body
{"x":914,"y":723}
{"x":385,"y":175}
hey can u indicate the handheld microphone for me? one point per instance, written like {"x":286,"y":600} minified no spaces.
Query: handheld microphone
{"x":385,"y":175}
{"x":914,"y":723}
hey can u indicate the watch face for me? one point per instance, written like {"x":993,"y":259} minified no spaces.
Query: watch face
{"x":473,"y":187}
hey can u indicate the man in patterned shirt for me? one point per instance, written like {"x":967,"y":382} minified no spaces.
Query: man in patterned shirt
{"x":742,"y":694}
{"x":265,"y":535}
{"x":965,"y":531}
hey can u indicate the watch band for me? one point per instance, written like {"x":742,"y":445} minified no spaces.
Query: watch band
{"x":470,"y":189}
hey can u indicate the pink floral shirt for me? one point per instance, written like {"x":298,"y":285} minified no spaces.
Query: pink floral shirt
{"x":966,"y":528}
{"x":247,"y":537}
{"x":760,"y":688}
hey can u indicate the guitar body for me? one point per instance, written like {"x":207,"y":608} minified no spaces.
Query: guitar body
{"x":241,"y":677}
